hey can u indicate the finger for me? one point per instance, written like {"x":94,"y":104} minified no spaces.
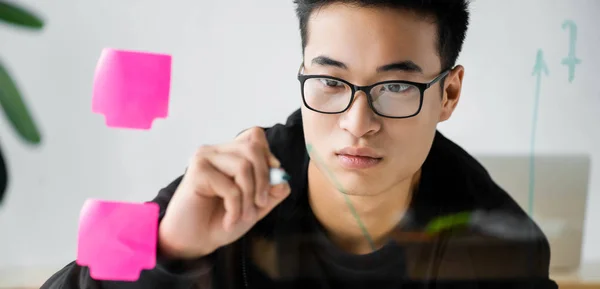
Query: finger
{"x":251,"y":133}
{"x":273,"y":161}
{"x":257,"y":134}
{"x":255,"y":154}
{"x":242,"y":172}
{"x":277,"y":194}
{"x":224,"y":187}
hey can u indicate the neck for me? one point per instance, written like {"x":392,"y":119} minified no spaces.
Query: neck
{"x":379,"y":213}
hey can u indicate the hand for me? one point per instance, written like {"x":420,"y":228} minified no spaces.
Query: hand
{"x":223,"y":193}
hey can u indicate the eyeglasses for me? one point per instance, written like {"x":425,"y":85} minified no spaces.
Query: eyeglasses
{"x":392,"y":98}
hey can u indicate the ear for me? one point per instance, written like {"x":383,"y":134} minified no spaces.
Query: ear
{"x":452,"y":88}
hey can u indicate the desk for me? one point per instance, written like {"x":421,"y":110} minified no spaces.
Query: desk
{"x":587,"y":277}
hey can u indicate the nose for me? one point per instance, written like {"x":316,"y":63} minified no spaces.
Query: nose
{"x":359,"y":119}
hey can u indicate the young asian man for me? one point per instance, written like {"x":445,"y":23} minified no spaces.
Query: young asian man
{"x":368,"y":168}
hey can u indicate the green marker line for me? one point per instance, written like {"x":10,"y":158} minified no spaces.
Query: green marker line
{"x":539,"y":68}
{"x":571,"y":61}
{"x":336,"y":183}
{"x":447,"y":222}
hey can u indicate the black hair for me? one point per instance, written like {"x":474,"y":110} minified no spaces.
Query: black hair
{"x":451,"y":17}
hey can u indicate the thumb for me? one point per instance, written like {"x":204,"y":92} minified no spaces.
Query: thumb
{"x":257,"y":134}
{"x":276,"y":195}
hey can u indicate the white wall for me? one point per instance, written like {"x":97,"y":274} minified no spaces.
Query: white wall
{"x":234,"y":62}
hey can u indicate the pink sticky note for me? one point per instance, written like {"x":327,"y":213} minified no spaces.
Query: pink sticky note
{"x":117,"y":240}
{"x":132,"y":88}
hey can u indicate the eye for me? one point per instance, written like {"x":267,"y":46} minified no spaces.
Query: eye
{"x":331,"y":82}
{"x":395,"y":87}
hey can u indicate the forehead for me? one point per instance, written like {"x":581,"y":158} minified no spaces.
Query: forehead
{"x":364,"y":38}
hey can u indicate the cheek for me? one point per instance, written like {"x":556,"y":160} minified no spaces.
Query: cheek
{"x":412,"y":137}
{"x":432,"y":107}
{"x":318,"y":127}
{"x":419,"y":127}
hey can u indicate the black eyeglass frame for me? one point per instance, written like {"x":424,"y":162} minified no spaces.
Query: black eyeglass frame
{"x":367,"y":90}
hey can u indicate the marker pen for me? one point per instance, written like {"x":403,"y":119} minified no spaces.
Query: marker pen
{"x":278,"y":176}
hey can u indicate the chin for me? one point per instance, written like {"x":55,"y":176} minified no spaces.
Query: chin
{"x":371,"y":182}
{"x":359,"y":183}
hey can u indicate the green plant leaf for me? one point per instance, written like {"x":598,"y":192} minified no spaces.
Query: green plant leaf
{"x":15,"y":109}
{"x":14,"y":14}
{"x":3,"y":178}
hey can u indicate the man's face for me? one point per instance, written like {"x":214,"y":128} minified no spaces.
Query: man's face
{"x":361,"y":41}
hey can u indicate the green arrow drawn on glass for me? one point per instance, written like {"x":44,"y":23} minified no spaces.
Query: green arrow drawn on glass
{"x":571,"y":60}
{"x":539,"y":68}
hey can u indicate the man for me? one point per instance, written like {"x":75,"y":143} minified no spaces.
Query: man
{"x":368,"y":172}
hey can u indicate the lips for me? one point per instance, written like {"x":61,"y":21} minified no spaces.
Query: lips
{"x":358,"y":158}
{"x":359,"y":152}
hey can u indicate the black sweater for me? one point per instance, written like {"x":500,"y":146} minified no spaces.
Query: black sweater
{"x":290,"y":249}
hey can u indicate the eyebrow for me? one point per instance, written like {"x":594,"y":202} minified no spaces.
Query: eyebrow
{"x":406,"y":65}
{"x":326,"y":61}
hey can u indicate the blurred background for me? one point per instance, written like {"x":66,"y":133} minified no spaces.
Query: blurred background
{"x":235,"y":65}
